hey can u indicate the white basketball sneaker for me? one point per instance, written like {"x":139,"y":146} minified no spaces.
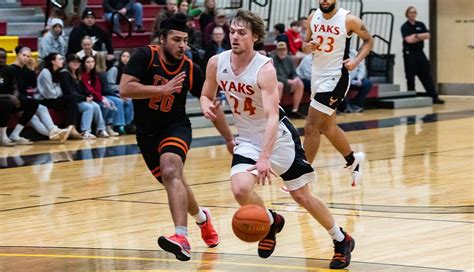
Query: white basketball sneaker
{"x":356,"y":168}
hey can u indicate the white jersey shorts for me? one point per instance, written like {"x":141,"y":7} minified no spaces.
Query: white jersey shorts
{"x":288,"y":159}
{"x":327,"y":92}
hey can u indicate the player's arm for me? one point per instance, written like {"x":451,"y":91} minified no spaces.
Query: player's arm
{"x":354,"y":24}
{"x":268,"y":84}
{"x":130,"y":86}
{"x":209,"y":106}
{"x":308,"y":44}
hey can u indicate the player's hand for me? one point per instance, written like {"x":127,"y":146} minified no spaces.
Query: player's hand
{"x":230,"y":146}
{"x":350,"y":64}
{"x":175,"y":85}
{"x":264,"y":169}
{"x":312,"y":46}
{"x":210,"y":111}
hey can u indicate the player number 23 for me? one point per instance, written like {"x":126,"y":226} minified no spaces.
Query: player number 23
{"x":330,"y":43}
{"x":248,"y":105}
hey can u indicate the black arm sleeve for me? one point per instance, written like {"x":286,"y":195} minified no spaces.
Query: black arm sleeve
{"x":198,"y":81}
{"x":405,"y":31}
{"x":138,"y":63}
{"x":423,"y":28}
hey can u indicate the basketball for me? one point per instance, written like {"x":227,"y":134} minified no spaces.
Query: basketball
{"x":251,"y":223}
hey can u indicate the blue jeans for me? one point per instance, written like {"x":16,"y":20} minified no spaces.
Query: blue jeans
{"x":124,"y":113}
{"x":136,"y":12}
{"x":90,"y":112}
{"x":362,"y":93}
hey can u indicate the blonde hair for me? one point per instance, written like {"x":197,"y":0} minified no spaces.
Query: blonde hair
{"x":100,"y":64}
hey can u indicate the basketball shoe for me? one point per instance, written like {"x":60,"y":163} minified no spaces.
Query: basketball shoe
{"x":267,"y":245}
{"x":176,"y":244}
{"x":342,"y":252}
{"x":208,"y":233}
{"x":356,"y":168}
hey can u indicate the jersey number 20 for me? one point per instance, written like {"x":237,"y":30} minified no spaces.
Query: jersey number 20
{"x":166,"y":102}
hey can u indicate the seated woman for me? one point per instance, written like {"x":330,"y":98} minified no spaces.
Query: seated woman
{"x":90,"y":80}
{"x":52,"y":96}
{"x":90,"y":110}
{"x":124,"y":109}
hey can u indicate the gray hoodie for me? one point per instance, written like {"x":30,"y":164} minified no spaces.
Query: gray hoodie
{"x":51,"y":43}
{"x":47,"y":89}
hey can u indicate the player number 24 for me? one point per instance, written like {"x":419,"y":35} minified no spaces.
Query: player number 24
{"x":248,"y":106}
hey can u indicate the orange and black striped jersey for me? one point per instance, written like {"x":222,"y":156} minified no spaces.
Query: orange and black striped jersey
{"x":154,"y":114}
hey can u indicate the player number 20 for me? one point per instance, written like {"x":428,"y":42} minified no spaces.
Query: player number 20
{"x":248,"y":105}
{"x":166,"y":102}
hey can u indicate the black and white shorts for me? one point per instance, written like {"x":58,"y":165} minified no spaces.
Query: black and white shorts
{"x":288,"y":159}
{"x":327,"y":92}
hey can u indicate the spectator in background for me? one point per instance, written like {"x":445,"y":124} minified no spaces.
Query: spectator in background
{"x":414,"y":34}
{"x":88,"y":28}
{"x":114,"y":115}
{"x":166,"y":13}
{"x":288,"y":81}
{"x":114,"y":75}
{"x":304,"y":71}
{"x":218,"y":45}
{"x":91,"y":82}
{"x":219,"y":20}
{"x":280,"y":35}
{"x":295,"y":41}
{"x":128,"y":8}
{"x":53,"y":41}
{"x":87,"y":49}
{"x":208,"y":14}
{"x":50,"y":93}
{"x":24,"y":77}
{"x":90,"y":111}
{"x":183,"y":7}
{"x":70,"y":11}
{"x":303,"y":21}
{"x":13,"y":102}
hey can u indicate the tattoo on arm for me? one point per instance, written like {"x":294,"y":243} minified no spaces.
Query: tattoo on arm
{"x":364,"y":30}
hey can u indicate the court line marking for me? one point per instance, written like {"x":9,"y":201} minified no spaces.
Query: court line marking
{"x":231,"y":254}
{"x":280,"y":210}
{"x":159,"y":259}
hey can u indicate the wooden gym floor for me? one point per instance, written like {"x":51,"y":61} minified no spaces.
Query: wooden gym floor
{"x":93,"y":206}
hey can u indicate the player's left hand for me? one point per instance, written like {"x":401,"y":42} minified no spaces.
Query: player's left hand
{"x":264,"y":168}
{"x":350,"y":64}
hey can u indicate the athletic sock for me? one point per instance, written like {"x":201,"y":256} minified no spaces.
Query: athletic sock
{"x":270,"y":215}
{"x":350,"y":159}
{"x":181,"y":230}
{"x":200,"y":217}
{"x":336,"y":233}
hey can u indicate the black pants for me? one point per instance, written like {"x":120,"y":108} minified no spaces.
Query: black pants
{"x":28,"y":107}
{"x":416,"y":64}
{"x":65,"y":103}
{"x":6,"y":108}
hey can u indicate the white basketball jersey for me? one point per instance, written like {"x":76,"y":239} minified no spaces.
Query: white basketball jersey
{"x":334,"y":43}
{"x":244,"y":96}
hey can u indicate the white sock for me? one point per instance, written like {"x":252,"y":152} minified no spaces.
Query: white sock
{"x":270,"y":216}
{"x":294,"y":110}
{"x":181,"y":230}
{"x":200,"y":217}
{"x":336,"y":233}
{"x":16,"y":132}
{"x":3,"y":134}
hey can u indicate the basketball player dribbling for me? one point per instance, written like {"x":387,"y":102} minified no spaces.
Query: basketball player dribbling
{"x":158,"y":78}
{"x":267,"y":143}
{"x":328,"y":38}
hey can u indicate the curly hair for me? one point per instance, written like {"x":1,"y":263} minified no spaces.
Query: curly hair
{"x":253,"y":21}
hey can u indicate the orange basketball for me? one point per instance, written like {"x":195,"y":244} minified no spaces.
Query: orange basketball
{"x":251,"y":223}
